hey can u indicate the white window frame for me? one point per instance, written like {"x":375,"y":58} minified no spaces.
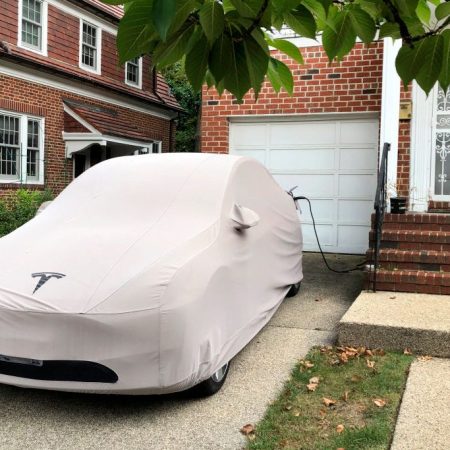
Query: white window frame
{"x":44,"y":26}
{"x":139,"y":83}
{"x":23,"y":136}
{"x":98,"y":69}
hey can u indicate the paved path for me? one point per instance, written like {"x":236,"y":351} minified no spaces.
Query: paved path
{"x":47,"y":420}
{"x":424,"y":419}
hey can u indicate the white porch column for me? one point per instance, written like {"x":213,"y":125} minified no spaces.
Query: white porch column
{"x":421,"y":134}
{"x":390,"y":110}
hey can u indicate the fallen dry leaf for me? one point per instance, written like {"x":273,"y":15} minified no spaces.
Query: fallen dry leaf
{"x":314,"y":380}
{"x":340,"y":428}
{"x":343,"y":357}
{"x":379,"y":352}
{"x":312,"y":387}
{"x":380,"y":402}
{"x":288,"y":407}
{"x":307,"y":364}
{"x":323,"y":412}
{"x":345,"y":396}
{"x":296,"y":413}
{"x":340,"y":448}
{"x":369,"y":352}
{"x":370,"y":364}
{"x":356,"y":378}
{"x":393,"y":297}
{"x":361,"y":350}
{"x":328,"y":401}
{"x":247,"y":429}
{"x":407,"y":351}
{"x":425,"y":358}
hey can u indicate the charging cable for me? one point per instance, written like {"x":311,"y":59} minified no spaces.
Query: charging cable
{"x":296,"y":199}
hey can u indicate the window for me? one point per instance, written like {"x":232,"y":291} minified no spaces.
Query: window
{"x":21,"y":148}
{"x":90,"y":47}
{"x":33,"y":25}
{"x":133,"y":72}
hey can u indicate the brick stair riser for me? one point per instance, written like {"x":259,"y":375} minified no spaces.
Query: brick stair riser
{"x":422,"y":282}
{"x":415,"y":226}
{"x":392,"y":259}
{"x":405,"y":245}
{"x":421,"y":219}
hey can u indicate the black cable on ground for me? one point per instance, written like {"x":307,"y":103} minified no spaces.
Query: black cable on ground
{"x":358,"y":266}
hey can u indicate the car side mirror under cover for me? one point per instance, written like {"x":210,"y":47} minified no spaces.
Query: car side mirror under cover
{"x":243,"y":217}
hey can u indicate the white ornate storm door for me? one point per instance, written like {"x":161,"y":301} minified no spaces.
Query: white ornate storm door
{"x":440,"y":142}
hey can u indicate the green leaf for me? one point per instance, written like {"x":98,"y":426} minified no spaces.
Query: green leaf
{"x":197,"y":62}
{"x":339,"y":42}
{"x":280,"y":76}
{"x":302,"y":22}
{"x":136,"y":31}
{"x":116,"y":2}
{"x":184,"y":9}
{"x":423,"y":12}
{"x":257,"y":59}
{"x":443,"y":11}
{"x":163,"y":14}
{"x":316,"y":8}
{"x":168,"y":53}
{"x":363,"y":24}
{"x":287,"y":47}
{"x":389,"y":29}
{"x":444,"y":76}
{"x":431,"y":53}
{"x":409,"y":61}
{"x":406,"y":8}
{"x":220,"y":57}
{"x":247,"y":8}
{"x":212,"y":19}
{"x":237,"y":79}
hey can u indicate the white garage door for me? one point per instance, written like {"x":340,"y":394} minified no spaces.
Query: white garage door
{"x":333,"y":162}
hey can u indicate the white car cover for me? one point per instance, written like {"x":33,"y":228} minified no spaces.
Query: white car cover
{"x":160,"y":268}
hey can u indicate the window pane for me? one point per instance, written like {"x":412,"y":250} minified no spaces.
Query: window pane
{"x":32,"y":23}
{"x":89,"y":46}
{"x":9,"y":146}
{"x":33,"y":149}
{"x":132,"y":69}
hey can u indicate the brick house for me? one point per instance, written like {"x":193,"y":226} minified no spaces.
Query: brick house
{"x":65,"y":102}
{"x":326,"y":139}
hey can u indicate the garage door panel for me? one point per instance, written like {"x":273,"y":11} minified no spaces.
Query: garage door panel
{"x":359,"y":132}
{"x":244,"y":135}
{"x":308,"y":185}
{"x":352,"y":238}
{"x":326,"y":236}
{"x":259,"y":155}
{"x":355,"y":211}
{"x":324,"y":211}
{"x":357,"y":158}
{"x":305,"y":159}
{"x":357,"y":186}
{"x":309,"y":133}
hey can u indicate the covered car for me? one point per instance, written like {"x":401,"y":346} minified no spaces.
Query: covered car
{"x":146,"y":275}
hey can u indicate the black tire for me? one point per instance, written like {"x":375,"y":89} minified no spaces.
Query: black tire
{"x":293,"y":291}
{"x":211,"y":385}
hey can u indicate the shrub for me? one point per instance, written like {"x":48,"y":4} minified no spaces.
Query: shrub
{"x":20,"y":208}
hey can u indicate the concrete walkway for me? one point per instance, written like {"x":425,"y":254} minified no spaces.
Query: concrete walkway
{"x":424,"y":419}
{"x":46,"y":420}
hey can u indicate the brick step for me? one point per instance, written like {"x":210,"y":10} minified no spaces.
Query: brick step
{"x":415,"y":221}
{"x":420,"y":281}
{"x":414,"y":240}
{"x":428,"y":260}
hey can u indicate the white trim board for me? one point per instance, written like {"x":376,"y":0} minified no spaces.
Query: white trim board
{"x":44,"y":30}
{"x":247,"y":118}
{"x":78,"y":88}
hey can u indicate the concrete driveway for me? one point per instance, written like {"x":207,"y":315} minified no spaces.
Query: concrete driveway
{"x":49,"y":420}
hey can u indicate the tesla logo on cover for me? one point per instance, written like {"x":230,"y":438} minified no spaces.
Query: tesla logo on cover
{"x":44,"y":277}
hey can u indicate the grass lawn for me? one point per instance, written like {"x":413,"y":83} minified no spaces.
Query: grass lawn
{"x":337,"y":398}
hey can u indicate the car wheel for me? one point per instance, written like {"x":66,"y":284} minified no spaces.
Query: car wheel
{"x":293,"y":291}
{"x":212,"y":384}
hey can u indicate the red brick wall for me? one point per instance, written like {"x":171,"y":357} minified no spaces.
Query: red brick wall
{"x":352,"y":85}
{"x":8,"y":21}
{"x":25,"y":97}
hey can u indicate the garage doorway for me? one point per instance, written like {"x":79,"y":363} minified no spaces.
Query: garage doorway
{"x":332,"y":161}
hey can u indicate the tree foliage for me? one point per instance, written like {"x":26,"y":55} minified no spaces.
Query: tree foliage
{"x":226,"y":43}
{"x":186,"y":136}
